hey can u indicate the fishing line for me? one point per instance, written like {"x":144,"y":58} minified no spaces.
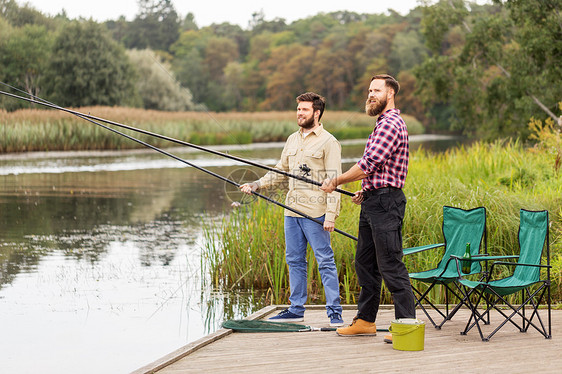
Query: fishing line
{"x":184,"y":161}
{"x":163,"y":137}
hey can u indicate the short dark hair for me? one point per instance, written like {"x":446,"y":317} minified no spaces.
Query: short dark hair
{"x":389,"y":81}
{"x":318,"y":102}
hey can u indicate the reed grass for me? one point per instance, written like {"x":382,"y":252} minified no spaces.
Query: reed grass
{"x":248,"y":249}
{"x":50,"y":130}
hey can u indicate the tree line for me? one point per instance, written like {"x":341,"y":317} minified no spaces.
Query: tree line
{"x":477,"y":69}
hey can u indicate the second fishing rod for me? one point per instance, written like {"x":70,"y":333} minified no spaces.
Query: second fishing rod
{"x":220,"y":177}
{"x":38,"y":100}
{"x":188,"y":163}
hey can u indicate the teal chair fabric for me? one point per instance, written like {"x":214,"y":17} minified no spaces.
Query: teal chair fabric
{"x":460,"y":226}
{"x":526,"y":278}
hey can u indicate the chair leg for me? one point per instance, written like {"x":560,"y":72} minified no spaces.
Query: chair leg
{"x":474,"y":314}
{"x":422,"y":296}
{"x":523,"y":328}
{"x":446,"y":303}
{"x":549,"y":314}
{"x":535,"y":305}
{"x":520,"y":311}
{"x":454,"y":311}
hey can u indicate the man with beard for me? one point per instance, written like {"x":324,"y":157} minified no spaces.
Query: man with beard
{"x":383,"y":170}
{"x":315,"y":153}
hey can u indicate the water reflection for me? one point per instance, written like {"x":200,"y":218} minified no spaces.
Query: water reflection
{"x":110,"y":258}
{"x":100,"y":253}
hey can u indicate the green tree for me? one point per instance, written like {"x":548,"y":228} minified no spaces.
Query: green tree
{"x":189,"y":23}
{"x":407,"y":51}
{"x":6,"y":31}
{"x":219,"y":51}
{"x":233,"y":84}
{"x":286,"y":80}
{"x":254,"y":78}
{"x":258,"y":25}
{"x":371,"y":49}
{"x":494,"y":66}
{"x":232,"y":32}
{"x":156,"y":26}
{"x":19,"y":16}
{"x":200,"y":59}
{"x":407,"y":100}
{"x":23,"y":57}
{"x":118,"y":28}
{"x":538,"y":32}
{"x":87,"y":67}
{"x":156,"y":85}
{"x":188,"y":64}
{"x":331,"y":72}
{"x":311,"y":31}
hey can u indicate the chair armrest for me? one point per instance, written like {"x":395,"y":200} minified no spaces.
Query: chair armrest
{"x":484,"y":257}
{"x":478,"y":258}
{"x":411,"y":250}
{"x":492,"y":258}
{"x":452,"y":257}
{"x":519,"y":264}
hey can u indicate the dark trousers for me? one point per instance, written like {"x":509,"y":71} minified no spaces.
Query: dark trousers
{"x":379,"y":255}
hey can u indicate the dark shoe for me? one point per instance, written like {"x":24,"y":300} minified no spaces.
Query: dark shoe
{"x":287,"y":316}
{"x":336,"y":320}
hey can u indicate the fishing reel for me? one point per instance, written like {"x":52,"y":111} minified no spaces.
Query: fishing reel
{"x":305,"y":170}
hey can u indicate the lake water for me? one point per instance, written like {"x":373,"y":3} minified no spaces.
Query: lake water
{"x":100,"y":254}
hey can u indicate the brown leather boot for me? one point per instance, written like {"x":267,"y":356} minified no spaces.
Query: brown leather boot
{"x":388,"y":338}
{"x":358,"y":327}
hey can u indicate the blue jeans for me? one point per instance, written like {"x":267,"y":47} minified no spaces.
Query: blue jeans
{"x":298,"y":232}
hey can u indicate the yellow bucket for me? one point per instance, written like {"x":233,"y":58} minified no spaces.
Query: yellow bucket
{"x":407,"y":334}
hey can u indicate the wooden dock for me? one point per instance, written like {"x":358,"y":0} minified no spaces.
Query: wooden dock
{"x":445,"y":350}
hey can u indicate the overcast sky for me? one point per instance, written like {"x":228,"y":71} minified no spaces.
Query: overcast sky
{"x":212,"y":11}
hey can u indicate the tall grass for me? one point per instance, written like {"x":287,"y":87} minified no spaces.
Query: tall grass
{"x":503,"y":177}
{"x":50,"y":130}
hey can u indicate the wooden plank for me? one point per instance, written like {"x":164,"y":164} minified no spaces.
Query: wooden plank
{"x":445,"y":350}
{"x":198,"y":344}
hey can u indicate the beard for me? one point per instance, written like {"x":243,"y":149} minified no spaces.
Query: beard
{"x":375,"y":107}
{"x":307,"y":124}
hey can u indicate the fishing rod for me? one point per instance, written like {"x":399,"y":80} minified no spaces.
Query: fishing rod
{"x":167,"y":138}
{"x":203,"y":170}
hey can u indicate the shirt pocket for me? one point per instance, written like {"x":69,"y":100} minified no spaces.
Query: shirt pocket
{"x":314,"y":155}
{"x":315,"y":161}
{"x":291,"y":155}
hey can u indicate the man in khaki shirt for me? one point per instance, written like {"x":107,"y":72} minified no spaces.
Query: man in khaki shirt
{"x":314,"y":153}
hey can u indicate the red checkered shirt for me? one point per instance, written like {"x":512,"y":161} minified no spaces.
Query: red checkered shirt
{"x":385,"y":160}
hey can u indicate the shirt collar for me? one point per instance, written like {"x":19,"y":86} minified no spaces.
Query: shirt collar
{"x":387,"y":113}
{"x":316,"y":131}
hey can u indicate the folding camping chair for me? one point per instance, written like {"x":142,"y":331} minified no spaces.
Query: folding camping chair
{"x":533,"y":234}
{"x":459,"y":227}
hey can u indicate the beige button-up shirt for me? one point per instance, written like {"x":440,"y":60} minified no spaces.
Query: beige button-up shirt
{"x":321,"y":152}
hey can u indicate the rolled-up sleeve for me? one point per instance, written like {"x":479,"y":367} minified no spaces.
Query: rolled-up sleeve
{"x":382,"y":144}
{"x":332,"y":165}
{"x":272,"y":178}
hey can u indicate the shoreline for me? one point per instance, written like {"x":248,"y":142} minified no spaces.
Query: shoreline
{"x":221,"y":148}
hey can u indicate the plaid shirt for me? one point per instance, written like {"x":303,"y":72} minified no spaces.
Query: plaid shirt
{"x":385,"y":160}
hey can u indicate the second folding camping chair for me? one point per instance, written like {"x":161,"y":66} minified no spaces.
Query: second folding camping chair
{"x":459,"y":228}
{"x":533,"y":236}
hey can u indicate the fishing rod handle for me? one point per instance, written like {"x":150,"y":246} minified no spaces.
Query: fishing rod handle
{"x":296,"y":211}
{"x":311,"y":181}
